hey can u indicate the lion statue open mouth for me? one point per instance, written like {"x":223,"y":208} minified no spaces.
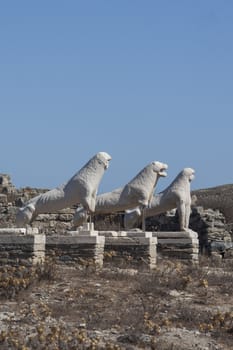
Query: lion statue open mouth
{"x":81,"y":188}
{"x":138,"y":192}
{"x":177,"y":195}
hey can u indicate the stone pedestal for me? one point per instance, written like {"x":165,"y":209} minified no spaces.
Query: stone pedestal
{"x":19,"y":231}
{"x":183,"y":245}
{"x":82,"y":245}
{"x":21,"y":249}
{"x":130,"y":249}
{"x":86,"y":230}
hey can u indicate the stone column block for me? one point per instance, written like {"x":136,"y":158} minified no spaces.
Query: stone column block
{"x":130,"y":248}
{"x":22,"y":248}
{"x":75,"y":248}
{"x":183,"y":245}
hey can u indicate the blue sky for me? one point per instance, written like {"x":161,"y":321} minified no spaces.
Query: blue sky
{"x":141,"y":80}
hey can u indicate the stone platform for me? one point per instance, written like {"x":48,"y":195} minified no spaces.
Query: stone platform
{"x":135,"y":248}
{"x":121,"y":248}
{"x":76,"y":248}
{"x":83,"y":245}
{"x":183,"y":245}
{"x":19,"y":247}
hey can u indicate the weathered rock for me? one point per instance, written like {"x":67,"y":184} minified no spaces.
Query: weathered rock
{"x":220,"y":197}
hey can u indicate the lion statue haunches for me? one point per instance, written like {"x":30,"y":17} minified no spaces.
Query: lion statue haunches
{"x":177,"y":195}
{"x":138,"y":192}
{"x":81,"y":188}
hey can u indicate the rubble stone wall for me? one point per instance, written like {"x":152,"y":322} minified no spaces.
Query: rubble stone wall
{"x":220,"y":197}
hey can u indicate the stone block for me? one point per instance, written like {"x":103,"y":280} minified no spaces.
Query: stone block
{"x":138,"y":250}
{"x":77,"y":247}
{"x":13,"y":231}
{"x":182,"y":245}
{"x":180,"y":241}
{"x":178,"y":234}
{"x":24,"y":247}
{"x":86,"y":230}
{"x":19,"y":231}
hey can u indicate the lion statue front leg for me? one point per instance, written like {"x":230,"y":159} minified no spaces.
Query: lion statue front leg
{"x":187,"y":215}
{"x":184,"y":210}
{"x":182,"y":218}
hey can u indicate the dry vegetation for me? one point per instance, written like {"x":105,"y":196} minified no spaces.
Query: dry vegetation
{"x":69,"y":307}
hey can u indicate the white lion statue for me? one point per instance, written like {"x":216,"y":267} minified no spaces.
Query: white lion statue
{"x":81,"y":188}
{"x":177,"y":195}
{"x":138,"y":192}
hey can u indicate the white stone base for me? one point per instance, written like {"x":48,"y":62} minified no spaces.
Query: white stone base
{"x":135,"y":248}
{"x":22,"y":247}
{"x":19,"y":231}
{"x":183,"y":245}
{"x":77,"y":247}
{"x":86,"y":230}
{"x":126,"y":234}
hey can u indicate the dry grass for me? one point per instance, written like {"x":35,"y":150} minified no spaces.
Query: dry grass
{"x":79,"y":307}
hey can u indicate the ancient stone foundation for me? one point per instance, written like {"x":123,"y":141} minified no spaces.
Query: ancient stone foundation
{"x":180,"y":245}
{"x":21,"y":248}
{"x":211,"y":227}
{"x":84,"y":246}
{"x":134,"y":249}
{"x":123,"y":249}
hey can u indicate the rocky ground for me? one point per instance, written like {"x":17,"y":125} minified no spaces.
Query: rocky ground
{"x":175,"y":307}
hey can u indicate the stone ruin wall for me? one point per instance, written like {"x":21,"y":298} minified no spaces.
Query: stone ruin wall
{"x":220,"y":197}
{"x":209,"y":223}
